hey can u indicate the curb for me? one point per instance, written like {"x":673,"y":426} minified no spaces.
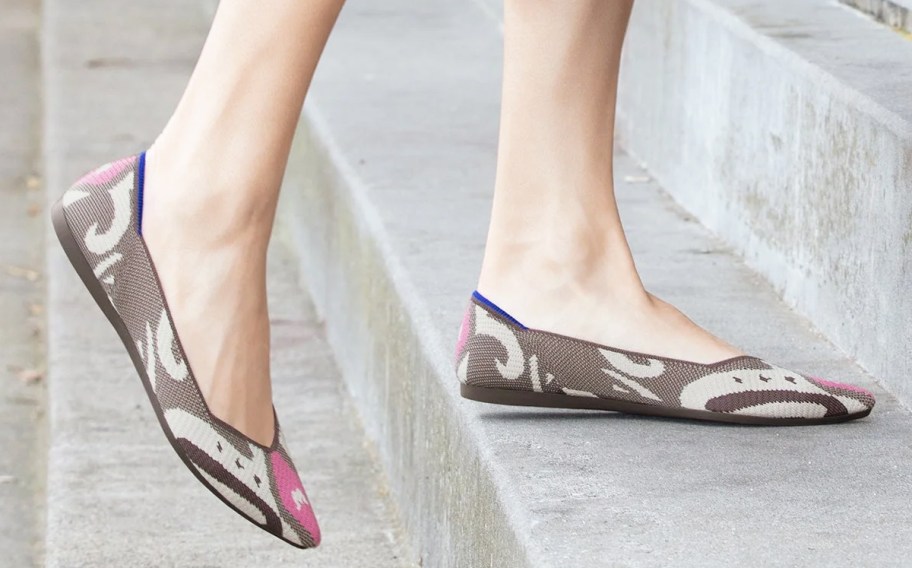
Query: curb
{"x":386,"y":201}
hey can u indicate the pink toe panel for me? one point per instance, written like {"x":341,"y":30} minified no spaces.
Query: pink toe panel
{"x":843,"y":386}
{"x":464,"y":331}
{"x":106,"y":173}
{"x":294,"y":498}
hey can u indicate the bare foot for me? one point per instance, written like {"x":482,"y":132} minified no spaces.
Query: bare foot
{"x":209,"y":250}
{"x":632,"y":319}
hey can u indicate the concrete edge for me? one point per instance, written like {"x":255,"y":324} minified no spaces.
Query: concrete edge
{"x":455,"y":506}
{"x":23,"y":329}
{"x":894,"y":13}
{"x":774,"y":48}
{"x":799,"y":64}
{"x":53,"y":181}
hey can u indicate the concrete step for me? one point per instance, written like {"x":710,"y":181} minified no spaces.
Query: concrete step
{"x":786,"y":128}
{"x":117,"y":494}
{"x":387,"y":200}
{"x":21,"y":290}
{"x":894,"y":13}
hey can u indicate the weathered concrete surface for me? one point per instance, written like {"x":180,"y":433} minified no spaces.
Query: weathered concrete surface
{"x":894,"y":13}
{"x":117,"y":493}
{"x":786,"y":128}
{"x":21,"y":289}
{"x":388,"y":203}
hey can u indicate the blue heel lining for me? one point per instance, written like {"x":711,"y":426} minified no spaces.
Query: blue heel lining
{"x":140,"y":182}
{"x":496,"y":308}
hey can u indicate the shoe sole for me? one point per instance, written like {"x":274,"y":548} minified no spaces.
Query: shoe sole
{"x":548,"y":400}
{"x":87,"y":275}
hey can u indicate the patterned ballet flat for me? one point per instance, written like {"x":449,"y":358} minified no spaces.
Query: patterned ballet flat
{"x":498,"y":360}
{"x":98,"y":222}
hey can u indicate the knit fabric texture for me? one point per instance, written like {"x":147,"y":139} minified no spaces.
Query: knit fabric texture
{"x":260,"y":483}
{"x":494,"y":352}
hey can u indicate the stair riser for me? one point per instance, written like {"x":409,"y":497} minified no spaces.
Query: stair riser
{"x":384,"y":346}
{"x":805,"y":177}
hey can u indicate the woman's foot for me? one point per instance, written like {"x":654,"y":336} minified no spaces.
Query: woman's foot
{"x":96,"y":221}
{"x":633,"y":320}
{"x":208,"y":237}
{"x":498,"y":360}
{"x":576,"y":276}
{"x":212,"y":187}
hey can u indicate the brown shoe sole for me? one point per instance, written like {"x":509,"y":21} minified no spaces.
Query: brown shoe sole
{"x":548,"y":400}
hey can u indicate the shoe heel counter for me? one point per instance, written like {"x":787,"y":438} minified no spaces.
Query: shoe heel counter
{"x":474,"y":359}
{"x":489,"y":352}
{"x":460,"y":357}
{"x":99,"y":211}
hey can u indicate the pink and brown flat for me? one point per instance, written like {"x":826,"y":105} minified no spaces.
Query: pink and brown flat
{"x":98,"y":222}
{"x":499,"y":360}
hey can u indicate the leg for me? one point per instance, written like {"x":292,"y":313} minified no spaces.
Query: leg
{"x":212,"y":185}
{"x":557,"y":257}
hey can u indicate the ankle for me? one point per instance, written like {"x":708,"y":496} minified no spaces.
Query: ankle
{"x":528,"y":288}
{"x":190,"y":192}
{"x":572,"y":260}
